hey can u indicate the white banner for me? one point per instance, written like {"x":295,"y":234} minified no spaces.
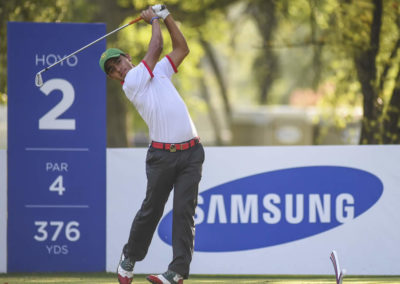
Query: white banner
{"x":302,"y":201}
{"x":273,"y":210}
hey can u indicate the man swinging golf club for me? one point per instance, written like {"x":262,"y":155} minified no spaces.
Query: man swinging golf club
{"x":175,"y":156}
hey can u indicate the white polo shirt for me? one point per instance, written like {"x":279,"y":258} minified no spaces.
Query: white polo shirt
{"x":158,"y":102}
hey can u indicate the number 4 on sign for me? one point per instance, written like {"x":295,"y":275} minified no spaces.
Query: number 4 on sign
{"x":57,"y":185}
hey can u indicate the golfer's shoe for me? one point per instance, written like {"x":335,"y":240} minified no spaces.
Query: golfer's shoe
{"x":125,"y":270}
{"x":168,"y":277}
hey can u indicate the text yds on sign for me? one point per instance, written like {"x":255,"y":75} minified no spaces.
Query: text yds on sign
{"x":56,"y":149}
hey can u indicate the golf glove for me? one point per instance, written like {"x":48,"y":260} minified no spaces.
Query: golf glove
{"x":160,"y":10}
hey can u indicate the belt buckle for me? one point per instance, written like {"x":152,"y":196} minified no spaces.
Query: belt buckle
{"x":172,"y":148}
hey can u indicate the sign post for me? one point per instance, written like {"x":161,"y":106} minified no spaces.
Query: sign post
{"x":56,"y":149}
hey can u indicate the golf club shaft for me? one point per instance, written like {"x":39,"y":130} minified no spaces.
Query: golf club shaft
{"x":90,"y":44}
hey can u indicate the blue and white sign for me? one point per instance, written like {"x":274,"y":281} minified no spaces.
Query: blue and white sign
{"x":56,"y":149}
{"x":273,"y":210}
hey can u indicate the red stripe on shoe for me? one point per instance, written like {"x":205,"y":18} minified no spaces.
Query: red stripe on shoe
{"x":154,"y":279}
{"x":172,"y":63}
{"x":148,"y":68}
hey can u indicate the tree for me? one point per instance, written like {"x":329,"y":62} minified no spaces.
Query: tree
{"x":34,"y":11}
{"x":365,"y":62}
{"x":265,"y":66}
{"x":113,"y":13}
{"x":351,"y":45}
{"x":376,"y":59}
{"x":356,"y":48}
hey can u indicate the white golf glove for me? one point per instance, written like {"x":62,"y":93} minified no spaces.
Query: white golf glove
{"x":160,"y":10}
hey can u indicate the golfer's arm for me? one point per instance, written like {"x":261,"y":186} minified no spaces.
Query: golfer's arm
{"x":180,"y":49}
{"x":155,"y":46}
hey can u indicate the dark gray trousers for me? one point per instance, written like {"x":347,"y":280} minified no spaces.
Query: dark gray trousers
{"x":180,"y":170}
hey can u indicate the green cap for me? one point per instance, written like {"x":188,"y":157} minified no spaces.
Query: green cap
{"x":109,"y":53}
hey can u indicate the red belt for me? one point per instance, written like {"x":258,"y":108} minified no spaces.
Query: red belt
{"x":173,"y":147}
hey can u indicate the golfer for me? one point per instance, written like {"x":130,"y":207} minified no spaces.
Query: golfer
{"x":175,"y":156}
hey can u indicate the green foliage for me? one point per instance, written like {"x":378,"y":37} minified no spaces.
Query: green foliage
{"x":3,"y":98}
{"x":36,"y":11}
{"x":315,"y":44}
{"x":340,"y":34}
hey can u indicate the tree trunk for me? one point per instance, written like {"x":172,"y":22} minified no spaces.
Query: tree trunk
{"x":391,"y":122}
{"x":113,"y":15}
{"x":219,"y":77}
{"x":116,"y":116}
{"x":317,"y":48}
{"x":365,"y":62}
{"x":212,"y":114}
{"x":266,"y":63}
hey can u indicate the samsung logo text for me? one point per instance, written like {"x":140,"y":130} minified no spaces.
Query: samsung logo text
{"x":244,"y":209}
{"x":278,"y":207}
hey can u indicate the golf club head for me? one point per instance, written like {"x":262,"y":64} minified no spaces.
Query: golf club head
{"x":38,"y":79}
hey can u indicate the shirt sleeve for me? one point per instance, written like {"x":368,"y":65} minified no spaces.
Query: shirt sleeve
{"x":165,"y":67}
{"x":136,"y":80}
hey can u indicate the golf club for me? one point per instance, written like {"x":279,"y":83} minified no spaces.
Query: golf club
{"x":39,"y":79}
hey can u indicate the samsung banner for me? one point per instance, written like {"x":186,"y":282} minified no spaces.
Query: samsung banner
{"x":273,"y":210}
{"x":56,"y":149}
{"x":267,"y":209}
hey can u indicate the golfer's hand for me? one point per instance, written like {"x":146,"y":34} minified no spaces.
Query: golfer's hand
{"x":160,"y":11}
{"x":147,"y":15}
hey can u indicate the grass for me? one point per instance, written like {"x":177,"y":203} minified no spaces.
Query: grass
{"x":92,"y":278}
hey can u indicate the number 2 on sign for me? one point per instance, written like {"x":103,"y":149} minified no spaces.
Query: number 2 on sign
{"x":51,"y":120}
{"x":58,"y":185}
